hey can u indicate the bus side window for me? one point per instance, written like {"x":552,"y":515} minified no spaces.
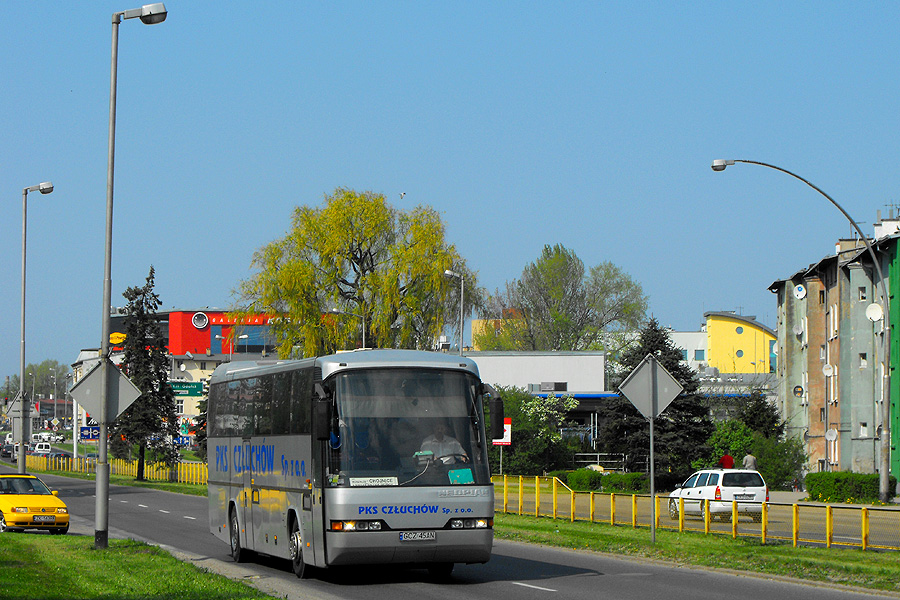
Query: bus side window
{"x":301,"y":400}
{"x":262,"y":411}
{"x":281,"y":404}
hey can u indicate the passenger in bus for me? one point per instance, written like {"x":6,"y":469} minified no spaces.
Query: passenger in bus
{"x":364,"y":452}
{"x":445,"y":448}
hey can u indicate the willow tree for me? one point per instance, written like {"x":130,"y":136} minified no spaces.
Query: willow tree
{"x":381,"y":268}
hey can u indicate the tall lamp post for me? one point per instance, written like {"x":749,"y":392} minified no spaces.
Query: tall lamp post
{"x":884,"y":474}
{"x":234,"y":342}
{"x":362,"y":317}
{"x":25,"y":403}
{"x":150,"y":14}
{"x":462,"y":292}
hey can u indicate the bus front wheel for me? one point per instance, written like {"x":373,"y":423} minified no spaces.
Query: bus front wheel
{"x":237,"y":553}
{"x":300,"y":568}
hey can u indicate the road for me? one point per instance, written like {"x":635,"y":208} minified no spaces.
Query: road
{"x":515,"y":572}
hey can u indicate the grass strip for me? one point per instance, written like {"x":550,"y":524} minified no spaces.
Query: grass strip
{"x":43,"y":567}
{"x":872,"y":569}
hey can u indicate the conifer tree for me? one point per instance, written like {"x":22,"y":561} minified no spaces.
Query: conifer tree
{"x":150,"y":423}
{"x":680,"y":432}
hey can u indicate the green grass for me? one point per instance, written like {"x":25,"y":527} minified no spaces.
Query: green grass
{"x":870,"y":569}
{"x":47,"y":567}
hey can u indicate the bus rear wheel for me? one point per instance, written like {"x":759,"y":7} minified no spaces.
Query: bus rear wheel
{"x":298,"y":565}
{"x":237,"y":553}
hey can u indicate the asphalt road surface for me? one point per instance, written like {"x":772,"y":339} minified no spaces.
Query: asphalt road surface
{"x":515,"y":571}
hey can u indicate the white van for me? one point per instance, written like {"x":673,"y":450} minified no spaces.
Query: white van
{"x":42,"y":448}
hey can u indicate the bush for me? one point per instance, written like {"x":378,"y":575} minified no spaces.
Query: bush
{"x":630,"y":483}
{"x":584,"y":480}
{"x":842,"y":486}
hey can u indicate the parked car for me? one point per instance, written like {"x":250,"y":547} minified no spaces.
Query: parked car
{"x":721,"y":487}
{"x":27,"y":503}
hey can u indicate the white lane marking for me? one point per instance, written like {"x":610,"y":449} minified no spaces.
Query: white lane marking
{"x":534,"y":587}
{"x":191,"y":518}
{"x":124,"y":501}
{"x":163,"y":511}
{"x":142,"y":505}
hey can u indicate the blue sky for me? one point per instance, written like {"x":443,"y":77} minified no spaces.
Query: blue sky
{"x":591,"y":124}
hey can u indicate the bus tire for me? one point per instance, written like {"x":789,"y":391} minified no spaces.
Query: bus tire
{"x":440,"y":571}
{"x":234,"y":535}
{"x":298,"y":565}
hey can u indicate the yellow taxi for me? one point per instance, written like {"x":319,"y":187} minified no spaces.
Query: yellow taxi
{"x":27,"y":503}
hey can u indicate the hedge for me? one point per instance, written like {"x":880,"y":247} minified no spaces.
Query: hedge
{"x":841,"y":486}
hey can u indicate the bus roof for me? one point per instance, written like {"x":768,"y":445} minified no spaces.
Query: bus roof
{"x":357,"y":359}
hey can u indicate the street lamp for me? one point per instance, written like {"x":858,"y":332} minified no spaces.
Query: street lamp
{"x":362,"y":317}
{"x":149,"y":14}
{"x":462,"y":291}
{"x":233,"y":343}
{"x":25,"y":407}
{"x":884,"y":474}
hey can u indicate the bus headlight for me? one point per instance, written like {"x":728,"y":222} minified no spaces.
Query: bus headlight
{"x":356,"y":525}
{"x":471,"y":523}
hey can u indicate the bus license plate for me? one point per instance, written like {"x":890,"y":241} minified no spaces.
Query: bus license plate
{"x":417,"y":536}
{"x":44,"y":519}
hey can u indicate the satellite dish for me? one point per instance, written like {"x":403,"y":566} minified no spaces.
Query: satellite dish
{"x":827,"y":370}
{"x":831,"y":435}
{"x":806,"y":435}
{"x":874,"y":312}
{"x":800,"y":291}
{"x":200,"y":320}
{"x":798,"y":329}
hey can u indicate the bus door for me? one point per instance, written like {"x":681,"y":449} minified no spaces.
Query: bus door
{"x":307,"y":518}
{"x":248,"y":496}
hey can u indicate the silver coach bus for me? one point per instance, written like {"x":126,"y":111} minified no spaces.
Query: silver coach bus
{"x":372,"y":456}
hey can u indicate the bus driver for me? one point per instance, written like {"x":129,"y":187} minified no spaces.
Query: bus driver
{"x":444,"y":447}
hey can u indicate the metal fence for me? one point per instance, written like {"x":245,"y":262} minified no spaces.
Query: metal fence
{"x":798,"y":523}
{"x":183,"y":472}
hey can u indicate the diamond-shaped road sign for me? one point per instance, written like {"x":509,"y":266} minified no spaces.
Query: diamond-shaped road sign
{"x":650,"y":388}
{"x":121,"y":392}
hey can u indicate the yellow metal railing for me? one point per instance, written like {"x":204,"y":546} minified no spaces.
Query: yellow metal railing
{"x":183,"y":472}
{"x":800,"y":523}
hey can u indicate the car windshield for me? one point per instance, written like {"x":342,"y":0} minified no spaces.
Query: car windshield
{"x":742,"y":480}
{"x":23,"y":485}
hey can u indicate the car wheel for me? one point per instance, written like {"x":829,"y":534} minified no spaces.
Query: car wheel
{"x":673,"y":509}
{"x":3,"y":527}
{"x":237,"y":553}
{"x":59,"y":530}
{"x":298,"y":565}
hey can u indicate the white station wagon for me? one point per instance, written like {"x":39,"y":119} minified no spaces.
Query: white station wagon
{"x":721,"y":487}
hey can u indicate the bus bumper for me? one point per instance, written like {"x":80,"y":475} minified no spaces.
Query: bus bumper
{"x":385,"y":547}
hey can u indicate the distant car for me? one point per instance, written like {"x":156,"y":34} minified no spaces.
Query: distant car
{"x":27,"y":503}
{"x":6,"y":450}
{"x":42,"y":448}
{"x":59,"y":454}
{"x":721,"y":487}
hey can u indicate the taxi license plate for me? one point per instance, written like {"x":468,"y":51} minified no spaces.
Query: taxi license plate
{"x":417,"y":536}
{"x":44,"y":519}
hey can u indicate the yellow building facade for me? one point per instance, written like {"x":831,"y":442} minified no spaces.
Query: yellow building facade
{"x":738,"y":344}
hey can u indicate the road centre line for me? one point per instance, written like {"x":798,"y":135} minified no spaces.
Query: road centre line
{"x":191,"y":518}
{"x":143,"y":505}
{"x":163,"y":511}
{"x":534,"y":587}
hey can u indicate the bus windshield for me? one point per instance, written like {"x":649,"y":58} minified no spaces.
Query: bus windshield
{"x":406,"y":427}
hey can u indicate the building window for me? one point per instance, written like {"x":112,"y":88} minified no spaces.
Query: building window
{"x":203,"y":365}
{"x":684,"y":354}
{"x":863,"y":429}
{"x":739,"y":329}
{"x":699,"y":354}
{"x":740,"y":353}
{"x":179,"y":405}
{"x":863,"y":360}
{"x":862,"y":294}
{"x":822,"y":415}
{"x":821,"y":296}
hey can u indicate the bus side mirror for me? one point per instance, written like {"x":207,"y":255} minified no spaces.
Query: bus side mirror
{"x":322,"y":413}
{"x":496,"y":412}
{"x":323,"y":420}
